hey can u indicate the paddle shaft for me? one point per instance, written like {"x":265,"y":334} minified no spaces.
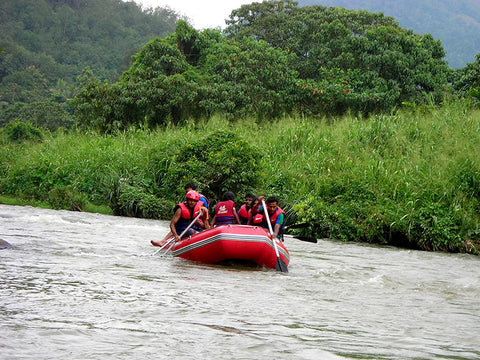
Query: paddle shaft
{"x":297,"y":226}
{"x":191,"y":224}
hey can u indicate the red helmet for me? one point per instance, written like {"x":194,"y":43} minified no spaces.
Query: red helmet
{"x":193,"y":195}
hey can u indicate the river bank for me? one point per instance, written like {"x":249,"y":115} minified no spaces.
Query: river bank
{"x":410,"y":179}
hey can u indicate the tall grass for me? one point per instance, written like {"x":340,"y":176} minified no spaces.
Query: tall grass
{"x":410,"y":178}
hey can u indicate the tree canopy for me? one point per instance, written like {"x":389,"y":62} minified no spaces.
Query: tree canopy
{"x":275,"y":58}
{"x":455,"y":23}
{"x":373,"y":54}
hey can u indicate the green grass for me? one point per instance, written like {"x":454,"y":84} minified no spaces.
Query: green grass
{"x":411,"y":178}
{"x":11,"y":200}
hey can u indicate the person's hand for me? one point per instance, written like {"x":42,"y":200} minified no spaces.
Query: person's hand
{"x":261,"y":198}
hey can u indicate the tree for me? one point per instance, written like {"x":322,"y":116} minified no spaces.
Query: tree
{"x":467,"y":81}
{"x":393,"y":63}
{"x":193,"y":74}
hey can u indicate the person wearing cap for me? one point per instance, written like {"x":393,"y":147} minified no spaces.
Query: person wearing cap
{"x":203,"y":201}
{"x":191,"y":186}
{"x":184,"y":214}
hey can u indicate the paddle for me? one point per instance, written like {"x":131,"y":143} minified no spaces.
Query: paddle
{"x":297,"y":226}
{"x":280,"y":264}
{"x":300,"y":237}
{"x":172,"y":239}
{"x":305,"y":238}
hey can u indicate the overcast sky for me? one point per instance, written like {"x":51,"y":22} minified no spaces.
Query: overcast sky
{"x":202,"y":13}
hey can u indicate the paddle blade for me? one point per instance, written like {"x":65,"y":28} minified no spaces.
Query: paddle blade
{"x":281,"y":266}
{"x":306,"y":238}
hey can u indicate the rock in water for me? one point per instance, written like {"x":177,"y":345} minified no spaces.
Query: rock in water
{"x":4,"y":244}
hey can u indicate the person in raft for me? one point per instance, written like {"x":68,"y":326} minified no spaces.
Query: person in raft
{"x":184,"y":214}
{"x":225,"y":212}
{"x":191,"y":186}
{"x":244,"y":212}
{"x":275,"y":213}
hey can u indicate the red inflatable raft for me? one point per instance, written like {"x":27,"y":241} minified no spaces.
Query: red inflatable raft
{"x":232,"y":242}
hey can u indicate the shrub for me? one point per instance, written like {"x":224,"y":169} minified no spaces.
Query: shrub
{"x":19,"y":131}
{"x":435,"y":228}
{"x":219,"y":162}
{"x":67,"y":198}
{"x":135,"y":201}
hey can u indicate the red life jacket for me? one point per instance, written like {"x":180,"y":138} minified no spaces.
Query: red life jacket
{"x":187,"y":217}
{"x":225,"y":213}
{"x":243,"y":214}
{"x":257,"y":218}
{"x":273,"y":218}
{"x":260,"y":219}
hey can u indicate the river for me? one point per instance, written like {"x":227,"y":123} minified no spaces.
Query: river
{"x":86,"y":286}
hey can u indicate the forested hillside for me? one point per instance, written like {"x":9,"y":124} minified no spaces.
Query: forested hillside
{"x":274,"y":58}
{"x":61,"y":37}
{"x":48,"y":43}
{"x":455,"y":23}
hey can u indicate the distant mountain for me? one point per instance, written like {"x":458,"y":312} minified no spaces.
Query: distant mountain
{"x":455,"y":23}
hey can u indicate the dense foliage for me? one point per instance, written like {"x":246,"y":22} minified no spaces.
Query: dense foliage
{"x":378,"y":63}
{"x":455,"y":23}
{"x":315,"y":61}
{"x":134,"y":174}
{"x":467,"y":82}
{"x":48,"y":43}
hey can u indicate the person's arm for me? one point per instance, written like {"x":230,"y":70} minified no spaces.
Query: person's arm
{"x":278,"y":225}
{"x":176,"y":217}
{"x":204,"y":210}
{"x":257,"y":204}
{"x":237,"y":219}
{"x":204,"y":201}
